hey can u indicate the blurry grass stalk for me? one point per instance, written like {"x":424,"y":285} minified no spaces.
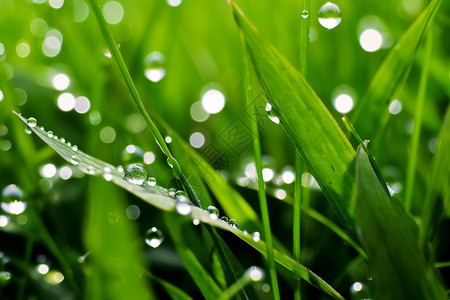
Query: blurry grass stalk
{"x":413,"y":155}
{"x":140,"y":106}
{"x":299,"y":164}
{"x":258,"y":164}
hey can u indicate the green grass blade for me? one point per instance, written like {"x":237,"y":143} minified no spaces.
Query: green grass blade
{"x":437,"y":182}
{"x":307,"y":121}
{"x":367,"y":115}
{"x":414,"y":147}
{"x":158,"y":197}
{"x":400,"y":269}
{"x":260,"y":181}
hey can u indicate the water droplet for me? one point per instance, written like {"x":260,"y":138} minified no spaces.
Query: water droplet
{"x":154,"y":66}
{"x":196,"y":222}
{"x":271,"y":113}
{"x":12,"y":200}
{"x":172,"y":192}
{"x":183,"y":208}
{"x":50,"y":134}
{"x":63,"y":140}
{"x":154,"y":237}
{"x":75,"y":148}
{"x":5,"y":276}
{"x":75,"y":160}
{"x":136,"y":174}
{"x":107,"y":175}
{"x":213,"y":212}
{"x":224,"y":219}
{"x":151,"y":181}
{"x":256,"y":236}
{"x":233,"y":223}
{"x":255,"y":273}
{"x":305,"y":14}
{"x":27,"y":131}
{"x":119,"y":169}
{"x":132,"y":154}
{"x":169,"y":162}
{"x":329,"y":15}
{"x":32,"y":122}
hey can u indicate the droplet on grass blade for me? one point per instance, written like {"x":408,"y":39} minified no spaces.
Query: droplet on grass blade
{"x":154,"y":66}
{"x":154,"y":237}
{"x":32,"y":122}
{"x":12,"y":200}
{"x":136,"y":174}
{"x":233,"y":223}
{"x":213,"y":212}
{"x":329,"y":15}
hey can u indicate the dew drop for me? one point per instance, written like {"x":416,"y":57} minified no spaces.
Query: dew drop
{"x":75,"y":148}
{"x":183,"y":208}
{"x":196,"y":222}
{"x":113,"y":217}
{"x":172,"y":192}
{"x":154,"y":66}
{"x":213,"y":212}
{"x":32,"y":122}
{"x":329,"y":15}
{"x":233,"y":223}
{"x":135,"y":174}
{"x":305,"y":14}
{"x":224,"y":219}
{"x":63,"y":140}
{"x":12,"y":200}
{"x":5,"y":276}
{"x":154,"y":237}
{"x":27,"y":131}
{"x":256,"y":236}
{"x":75,"y":160}
{"x":119,"y":169}
{"x":151,"y":181}
{"x":271,"y":113}
{"x":50,"y":134}
{"x":169,"y":162}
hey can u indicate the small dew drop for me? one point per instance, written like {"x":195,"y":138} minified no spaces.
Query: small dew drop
{"x":154,"y":237}
{"x":256,"y":236}
{"x":169,"y":162}
{"x":151,"y":181}
{"x":224,"y":219}
{"x":329,"y":15}
{"x":233,"y":223}
{"x":135,"y":174}
{"x":271,"y":113}
{"x":12,"y":200}
{"x":213,"y":212}
{"x":27,"y":131}
{"x":32,"y":122}
{"x":50,"y":134}
{"x":75,"y":160}
{"x":75,"y":148}
{"x":172,"y":192}
{"x":154,"y":66}
{"x":183,"y":208}
{"x":305,"y":14}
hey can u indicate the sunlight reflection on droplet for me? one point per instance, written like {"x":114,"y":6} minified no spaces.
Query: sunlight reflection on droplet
{"x":174,"y":3}
{"x":38,"y":27}
{"x":65,"y":173}
{"x":82,"y":105}
{"x":107,"y":135}
{"x":47,"y":170}
{"x":23,"y":49}
{"x":61,"y":81}
{"x":149,"y":157}
{"x":395,"y":107}
{"x":197,"y":140}
{"x":213,"y":101}
{"x":56,"y":4}
{"x":113,"y":12}
{"x":371,"y":40}
{"x":198,"y":114}
{"x":66,"y":102}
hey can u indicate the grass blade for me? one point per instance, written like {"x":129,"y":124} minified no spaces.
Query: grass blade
{"x":260,"y":181}
{"x":391,"y":74}
{"x":386,"y":237}
{"x":320,"y":141}
{"x":158,"y":197}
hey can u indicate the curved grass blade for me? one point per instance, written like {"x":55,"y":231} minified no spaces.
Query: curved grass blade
{"x":399,"y":267}
{"x":306,"y":120}
{"x":158,"y":197}
{"x":391,"y":74}
{"x":437,"y":182}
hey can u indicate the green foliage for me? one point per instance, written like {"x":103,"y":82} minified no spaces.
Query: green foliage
{"x":78,"y":227}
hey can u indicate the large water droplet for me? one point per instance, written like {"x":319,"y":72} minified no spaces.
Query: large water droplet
{"x":12,"y":200}
{"x":136,"y":174}
{"x":32,"y":122}
{"x":213,"y":212}
{"x":233,"y":223}
{"x":256,"y":236}
{"x":183,"y":208}
{"x":154,"y":66}
{"x":154,"y":237}
{"x":329,"y":15}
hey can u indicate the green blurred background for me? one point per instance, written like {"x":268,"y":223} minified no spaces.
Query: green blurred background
{"x":200,"y":49}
